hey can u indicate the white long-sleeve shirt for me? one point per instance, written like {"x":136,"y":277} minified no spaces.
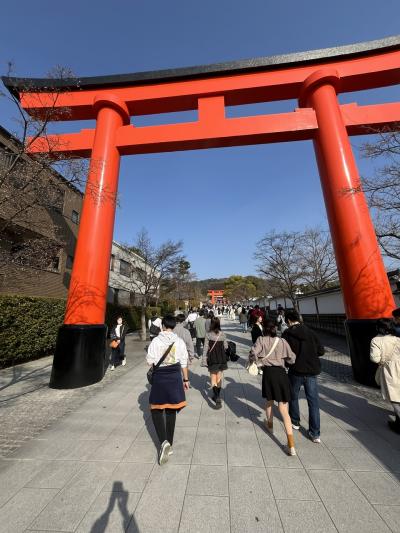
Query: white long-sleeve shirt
{"x":159,"y":345}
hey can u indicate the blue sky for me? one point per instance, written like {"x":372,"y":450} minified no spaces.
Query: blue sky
{"x":219,"y":202}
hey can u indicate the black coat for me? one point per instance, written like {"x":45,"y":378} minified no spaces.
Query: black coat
{"x":308,"y":349}
{"x":121,"y":338}
{"x":255,"y":333}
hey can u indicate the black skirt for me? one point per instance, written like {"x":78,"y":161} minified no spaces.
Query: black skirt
{"x":275,"y":384}
{"x":216,"y":357}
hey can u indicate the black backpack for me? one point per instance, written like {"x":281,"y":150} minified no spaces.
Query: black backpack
{"x":231,"y":352}
{"x":154,"y":330}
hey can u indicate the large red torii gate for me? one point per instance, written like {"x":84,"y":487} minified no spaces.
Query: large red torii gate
{"x":314,"y":78}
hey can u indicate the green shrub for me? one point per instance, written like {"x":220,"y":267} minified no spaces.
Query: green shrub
{"x":28,"y":327}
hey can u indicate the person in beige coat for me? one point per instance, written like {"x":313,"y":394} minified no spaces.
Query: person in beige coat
{"x":385,"y":351}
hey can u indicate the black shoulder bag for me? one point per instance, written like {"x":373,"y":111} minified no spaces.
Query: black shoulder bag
{"x":153,"y":368}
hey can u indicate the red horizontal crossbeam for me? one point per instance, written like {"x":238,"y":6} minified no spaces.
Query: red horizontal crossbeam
{"x":375,"y":70}
{"x":213,"y":130}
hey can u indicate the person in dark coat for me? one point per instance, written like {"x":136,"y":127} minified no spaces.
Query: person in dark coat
{"x":308,"y":349}
{"x":258,"y":329}
{"x":118,"y":333}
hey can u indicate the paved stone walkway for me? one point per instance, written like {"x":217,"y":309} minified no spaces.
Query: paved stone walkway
{"x":94,"y":469}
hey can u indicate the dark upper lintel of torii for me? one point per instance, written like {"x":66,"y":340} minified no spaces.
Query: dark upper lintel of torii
{"x":337,"y":53}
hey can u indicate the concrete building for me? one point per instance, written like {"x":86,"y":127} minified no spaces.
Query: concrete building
{"x":121,"y":289}
{"x":55,"y":221}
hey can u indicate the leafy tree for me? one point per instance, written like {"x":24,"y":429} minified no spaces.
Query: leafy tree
{"x":238,"y":288}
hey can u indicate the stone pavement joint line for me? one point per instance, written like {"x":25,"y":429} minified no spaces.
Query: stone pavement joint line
{"x":94,"y":469}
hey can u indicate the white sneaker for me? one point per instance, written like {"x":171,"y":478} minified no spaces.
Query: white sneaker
{"x":316,"y":440}
{"x":124,"y":361}
{"x":171,"y":451}
{"x":112,"y":367}
{"x":164,"y":453}
{"x":291,"y":451}
{"x":296,"y":426}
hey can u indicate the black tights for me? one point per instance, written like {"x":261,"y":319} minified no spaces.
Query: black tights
{"x":165,"y":427}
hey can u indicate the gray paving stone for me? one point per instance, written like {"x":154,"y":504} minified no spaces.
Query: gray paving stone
{"x":113,"y":449}
{"x":80,"y":450}
{"x":160,"y":506}
{"x":128,"y":477}
{"x":209,"y":453}
{"x":318,"y":457}
{"x":54,"y":474}
{"x":291,"y":484}
{"x":207,"y":514}
{"x":243,"y":448}
{"x":355,"y":459}
{"x":208,"y":481}
{"x":247,"y":481}
{"x":304,"y":517}
{"x":390,"y":514}
{"x":14,"y":475}
{"x":346,"y":505}
{"x":71,"y":504}
{"x":335,"y":485}
{"x":42,"y":449}
{"x":141,"y":452}
{"x":257,"y":514}
{"x":337,"y":438}
{"x":184,"y":443}
{"x":19,"y":512}
{"x":111,"y":512}
{"x":379,"y":488}
{"x":217,"y":435}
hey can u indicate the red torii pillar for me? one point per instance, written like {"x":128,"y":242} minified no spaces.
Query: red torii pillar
{"x":84,"y":331}
{"x":363,"y":279}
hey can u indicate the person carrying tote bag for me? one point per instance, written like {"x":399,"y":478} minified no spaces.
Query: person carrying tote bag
{"x":273,"y":353}
{"x":168,"y":357}
{"x":385,"y":351}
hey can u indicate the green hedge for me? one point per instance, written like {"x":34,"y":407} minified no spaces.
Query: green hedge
{"x":29,"y":325}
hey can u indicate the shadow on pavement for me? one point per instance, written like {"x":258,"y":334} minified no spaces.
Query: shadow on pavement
{"x":120,"y":497}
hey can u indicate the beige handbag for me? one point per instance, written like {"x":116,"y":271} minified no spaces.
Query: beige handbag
{"x":253,"y":368}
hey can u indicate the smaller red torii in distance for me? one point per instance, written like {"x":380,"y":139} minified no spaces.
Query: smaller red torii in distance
{"x":215,"y":294}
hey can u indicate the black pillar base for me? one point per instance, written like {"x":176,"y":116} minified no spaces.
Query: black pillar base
{"x":79,"y":359}
{"x":359,"y":333}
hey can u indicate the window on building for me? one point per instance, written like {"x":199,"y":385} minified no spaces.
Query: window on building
{"x":125,"y":268}
{"x":69,"y":261}
{"x":55,"y":264}
{"x":75,"y":217}
{"x":112,"y":262}
{"x":116,"y":291}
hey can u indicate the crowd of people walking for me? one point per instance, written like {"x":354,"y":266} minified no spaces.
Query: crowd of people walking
{"x":285,"y":352}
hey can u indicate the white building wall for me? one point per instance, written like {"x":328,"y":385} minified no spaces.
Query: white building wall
{"x":331,"y":303}
{"x":307,"y":306}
